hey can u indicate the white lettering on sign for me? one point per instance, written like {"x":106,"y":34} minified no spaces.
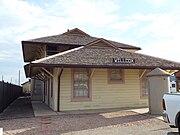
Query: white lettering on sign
{"x":123,"y":60}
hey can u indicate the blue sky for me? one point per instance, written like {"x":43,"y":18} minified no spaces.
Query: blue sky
{"x":153,"y":25}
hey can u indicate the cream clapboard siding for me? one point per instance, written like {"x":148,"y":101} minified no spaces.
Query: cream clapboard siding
{"x":104,"y":95}
{"x":53,"y":99}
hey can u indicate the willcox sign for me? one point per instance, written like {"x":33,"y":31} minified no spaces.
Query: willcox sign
{"x":123,"y":60}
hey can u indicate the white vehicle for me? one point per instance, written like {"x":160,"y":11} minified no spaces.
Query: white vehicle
{"x":171,"y":109}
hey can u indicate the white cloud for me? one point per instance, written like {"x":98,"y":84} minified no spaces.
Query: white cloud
{"x":165,"y":25}
{"x":124,"y":25}
{"x":3,"y":55}
{"x":31,"y":21}
{"x":22,"y":20}
{"x":167,"y":49}
{"x":143,"y":17}
{"x":162,"y":34}
{"x":156,"y":33}
{"x":157,"y":2}
{"x":17,"y":13}
{"x":98,"y":13}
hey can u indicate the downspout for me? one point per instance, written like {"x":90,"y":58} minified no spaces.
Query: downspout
{"x":58,"y":96}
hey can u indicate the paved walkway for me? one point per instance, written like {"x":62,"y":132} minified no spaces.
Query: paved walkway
{"x":41,"y":109}
{"x":20,"y":108}
{"x":23,"y":107}
{"x":146,"y":111}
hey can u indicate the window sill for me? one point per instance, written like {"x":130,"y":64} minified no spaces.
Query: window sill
{"x":115,"y":82}
{"x":80,"y":99}
{"x":144,"y":97}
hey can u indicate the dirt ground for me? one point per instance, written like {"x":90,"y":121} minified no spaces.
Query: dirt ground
{"x":111,"y":123}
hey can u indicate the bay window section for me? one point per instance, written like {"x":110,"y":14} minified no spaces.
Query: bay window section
{"x":81,"y":88}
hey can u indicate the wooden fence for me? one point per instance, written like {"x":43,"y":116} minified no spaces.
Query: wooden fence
{"x":8,"y":93}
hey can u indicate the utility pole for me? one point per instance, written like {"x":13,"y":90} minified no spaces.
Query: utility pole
{"x":2,"y":78}
{"x":19,"y":77}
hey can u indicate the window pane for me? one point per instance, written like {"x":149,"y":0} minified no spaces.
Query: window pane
{"x":37,"y":87}
{"x":81,"y":92}
{"x":81,"y":80}
{"x":115,"y":74}
{"x":86,"y":93}
{"x":76,"y":77}
{"x":85,"y":77}
{"x":81,"y":75}
{"x":51,"y":50}
{"x":76,"y":84}
{"x":75,"y":92}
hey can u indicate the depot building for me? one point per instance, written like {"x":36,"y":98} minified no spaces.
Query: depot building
{"x":76,"y":71}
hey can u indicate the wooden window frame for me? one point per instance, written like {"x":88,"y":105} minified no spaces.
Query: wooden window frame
{"x":79,"y":99}
{"x":115,"y":81}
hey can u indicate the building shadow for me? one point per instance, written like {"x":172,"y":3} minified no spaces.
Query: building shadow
{"x":20,"y":108}
{"x":172,"y":133}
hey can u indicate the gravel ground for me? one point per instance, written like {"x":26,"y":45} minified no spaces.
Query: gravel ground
{"x":114,"y":123}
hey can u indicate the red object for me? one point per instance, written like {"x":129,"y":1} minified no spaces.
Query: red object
{"x":163,"y":105}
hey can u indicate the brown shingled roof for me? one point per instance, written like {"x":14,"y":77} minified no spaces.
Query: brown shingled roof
{"x":103,"y":57}
{"x":75,"y":37}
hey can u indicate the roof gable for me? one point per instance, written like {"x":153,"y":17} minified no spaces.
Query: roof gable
{"x":75,"y":31}
{"x":101,"y":43}
{"x":74,"y":37}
